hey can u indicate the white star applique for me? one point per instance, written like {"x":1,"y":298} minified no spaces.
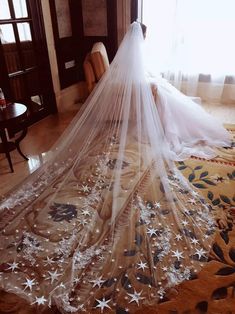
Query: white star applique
{"x":195,"y":193}
{"x":97,"y":282}
{"x":135,"y":297}
{"x":86,"y":212}
{"x":13,"y":266}
{"x":48,"y":261}
{"x":194,"y":241}
{"x":178,"y":237}
{"x":157,"y":205}
{"x":76,"y":280}
{"x":85,"y":188}
{"x":101,"y":257}
{"x":83,"y":222}
{"x":53,"y":276}
{"x":186,"y":211}
{"x":40,"y":300}
{"x":151,"y":231}
{"x":29,"y":284}
{"x":164,"y":268}
{"x":62,"y":285}
{"x":103,"y":304}
{"x":177,"y":254}
{"x":192,"y":201}
{"x":142,"y":265}
{"x":184,"y":222}
{"x":200,"y":253}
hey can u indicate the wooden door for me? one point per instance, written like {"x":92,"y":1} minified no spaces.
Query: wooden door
{"x":25,"y":71}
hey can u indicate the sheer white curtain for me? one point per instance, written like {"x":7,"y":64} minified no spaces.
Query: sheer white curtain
{"x":192,"y":43}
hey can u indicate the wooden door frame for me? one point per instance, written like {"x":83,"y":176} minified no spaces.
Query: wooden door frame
{"x":136,"y":10}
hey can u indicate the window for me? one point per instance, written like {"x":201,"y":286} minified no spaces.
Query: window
{"x":195,"y":36}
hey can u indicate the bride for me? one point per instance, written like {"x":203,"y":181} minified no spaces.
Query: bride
{"x":107,"y":223}
{"x":189,"y":129}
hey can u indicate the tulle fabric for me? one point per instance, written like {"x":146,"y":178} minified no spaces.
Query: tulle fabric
{"x":107,"y":224}
{"x":189,"y":129}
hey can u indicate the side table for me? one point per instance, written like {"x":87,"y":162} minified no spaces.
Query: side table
{"x":12,"y":118}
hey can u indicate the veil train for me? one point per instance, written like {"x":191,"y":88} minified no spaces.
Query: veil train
{"x":108,"y":223}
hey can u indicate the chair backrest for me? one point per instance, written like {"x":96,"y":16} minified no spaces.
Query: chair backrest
{"x":99,"y":59}
{"x":89,"y":73}
{"x":95,"y":64}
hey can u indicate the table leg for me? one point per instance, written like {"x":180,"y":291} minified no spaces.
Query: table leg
{"x":4,"y":143}
{"x":17,"y":143}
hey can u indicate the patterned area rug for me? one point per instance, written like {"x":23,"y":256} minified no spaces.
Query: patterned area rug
{"x":212,"y":291}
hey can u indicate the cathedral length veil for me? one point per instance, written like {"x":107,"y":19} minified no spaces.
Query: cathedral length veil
{"x":107,"y":224}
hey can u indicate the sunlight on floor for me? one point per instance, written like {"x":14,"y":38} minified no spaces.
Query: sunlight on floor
{"x":225,"y":113}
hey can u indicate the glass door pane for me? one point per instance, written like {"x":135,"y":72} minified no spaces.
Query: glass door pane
{"x":7,"y":35}
{"x":24,"y":31}
{"x":20,"y":8}
{"x":26,"y":45}
{"x":5,"y":11}
{"x":9,"y":47}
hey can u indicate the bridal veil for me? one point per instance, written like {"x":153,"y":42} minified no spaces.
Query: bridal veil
{"x":107,"y":223}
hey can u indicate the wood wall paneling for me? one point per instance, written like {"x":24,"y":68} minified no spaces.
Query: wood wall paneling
{"x":71,"y":50}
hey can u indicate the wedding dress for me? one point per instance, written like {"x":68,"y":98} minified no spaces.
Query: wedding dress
{"x":108,"y":223}
{"x":188,"y":128}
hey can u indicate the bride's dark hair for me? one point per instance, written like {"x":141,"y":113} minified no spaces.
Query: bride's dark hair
{"x":144,"y":29}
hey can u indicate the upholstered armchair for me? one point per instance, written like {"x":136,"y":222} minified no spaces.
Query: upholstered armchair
{"x":95,"y":64}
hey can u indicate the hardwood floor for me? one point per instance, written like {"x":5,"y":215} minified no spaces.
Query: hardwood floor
{"x":223,"y":112}
{"x":41,"y":137}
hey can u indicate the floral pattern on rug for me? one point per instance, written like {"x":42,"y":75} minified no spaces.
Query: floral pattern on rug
{"x":211,"y":291}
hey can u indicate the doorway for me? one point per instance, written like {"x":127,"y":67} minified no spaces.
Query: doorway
{"x":25,"y":75}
